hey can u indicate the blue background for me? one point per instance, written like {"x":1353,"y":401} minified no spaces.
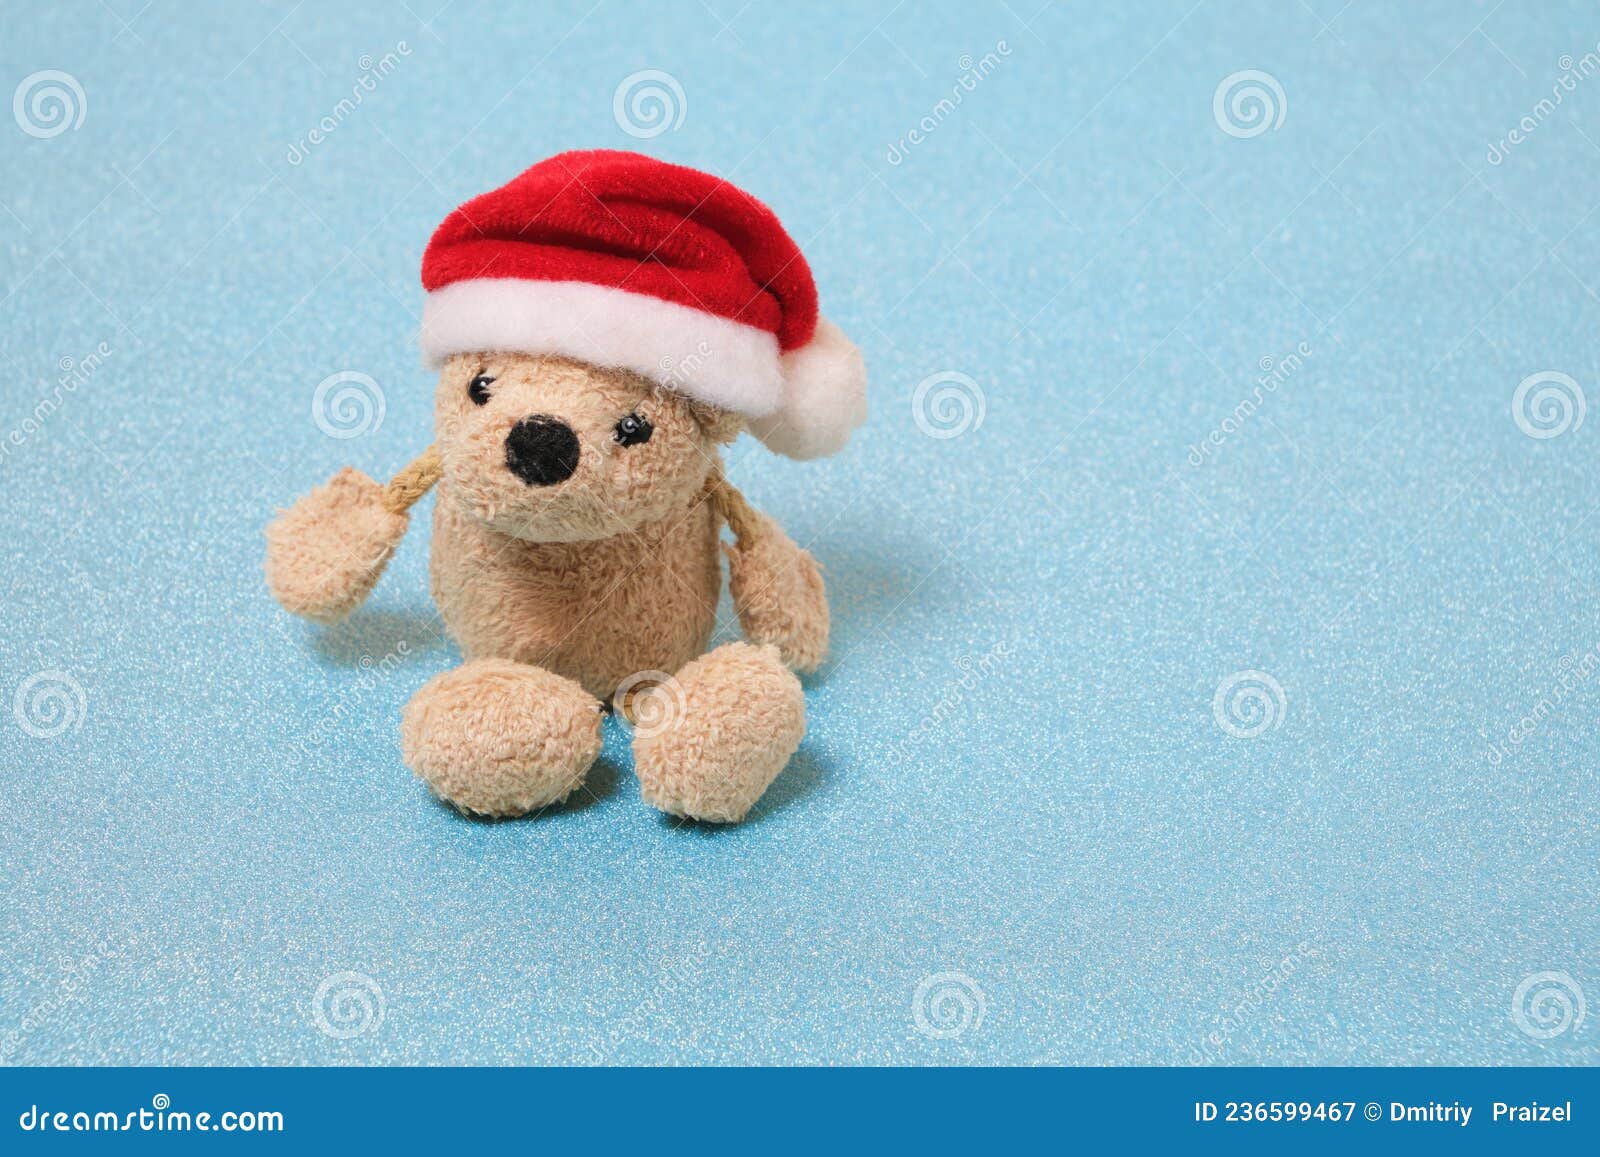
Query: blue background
{"x":1013,"y":771}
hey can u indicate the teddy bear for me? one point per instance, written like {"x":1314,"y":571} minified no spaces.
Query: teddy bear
{"x":602,"y":326}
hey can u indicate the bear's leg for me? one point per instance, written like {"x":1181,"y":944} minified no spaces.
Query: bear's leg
{"x":497,"y":738}
{"x":708,"y":741}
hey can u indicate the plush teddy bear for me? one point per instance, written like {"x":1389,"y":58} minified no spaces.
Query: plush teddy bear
{"x":601,"y":326}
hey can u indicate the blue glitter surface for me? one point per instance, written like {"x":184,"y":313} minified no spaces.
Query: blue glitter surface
{"x":1214,"y":621}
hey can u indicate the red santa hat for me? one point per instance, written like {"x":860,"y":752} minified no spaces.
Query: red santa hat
{"x":621,"y":260}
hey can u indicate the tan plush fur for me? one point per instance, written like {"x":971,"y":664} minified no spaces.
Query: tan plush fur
{"x":559,"y":594}
{"x":325,"y":553}
{"x":595,"y":612}
{"x":778,"y":592}
{"x":714,"y":737}
{"x":498,"y":738}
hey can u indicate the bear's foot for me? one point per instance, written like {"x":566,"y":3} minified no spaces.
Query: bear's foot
{"x":497,"y":738}
{"x":708,"y":741}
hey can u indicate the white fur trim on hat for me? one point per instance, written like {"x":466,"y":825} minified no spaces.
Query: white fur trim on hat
{"x":825,"y":397}
{"x":709,"y":358}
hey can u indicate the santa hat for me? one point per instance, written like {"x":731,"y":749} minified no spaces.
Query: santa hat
{"x":621,"y":260}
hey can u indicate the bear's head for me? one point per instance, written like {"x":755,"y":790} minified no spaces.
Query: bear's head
{"x":550,"y":449}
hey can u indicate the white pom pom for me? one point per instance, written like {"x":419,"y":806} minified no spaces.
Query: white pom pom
{"x":824,"y":397}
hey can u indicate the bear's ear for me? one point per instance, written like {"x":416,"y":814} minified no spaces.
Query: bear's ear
{"x":721,"y":426}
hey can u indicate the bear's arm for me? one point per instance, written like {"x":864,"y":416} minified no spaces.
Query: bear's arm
{"x":777,"y":587}
{"x":326,"y":552}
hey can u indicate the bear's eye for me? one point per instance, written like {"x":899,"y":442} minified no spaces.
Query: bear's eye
{"x":632,"y":430}
{"x":478,"y":389}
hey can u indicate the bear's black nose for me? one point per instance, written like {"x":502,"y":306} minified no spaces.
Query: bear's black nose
{"x":542,"y":451}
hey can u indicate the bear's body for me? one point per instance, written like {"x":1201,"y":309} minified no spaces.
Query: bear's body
{"x":594,"y":612}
